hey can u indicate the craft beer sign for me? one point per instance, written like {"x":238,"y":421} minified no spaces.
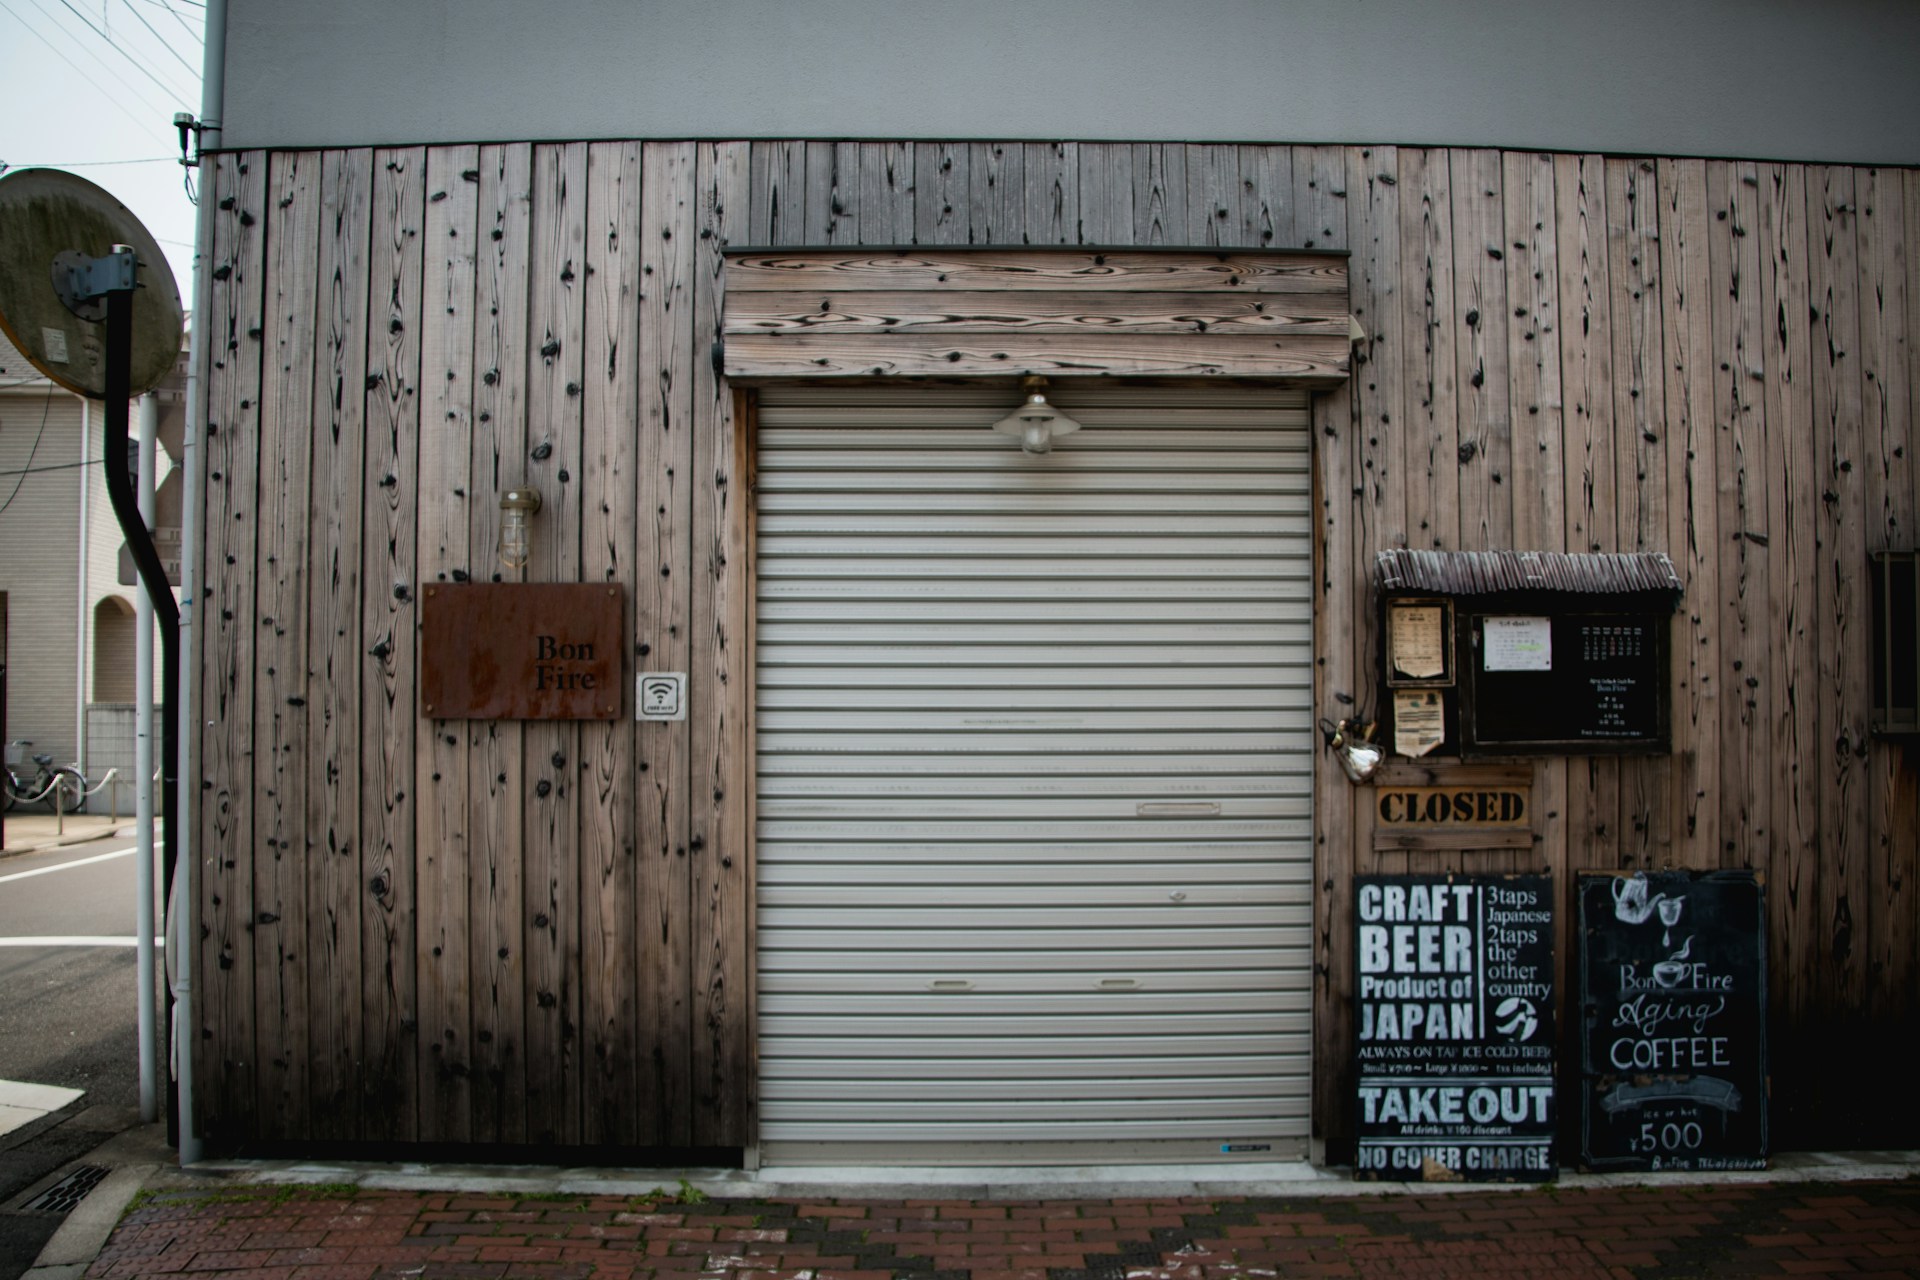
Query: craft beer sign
{"x":522,"y":651}
{"x":1456,"y":1027}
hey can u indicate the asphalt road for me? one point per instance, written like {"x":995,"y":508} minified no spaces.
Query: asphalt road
{"x":68,"y":1013}
{"x":68,"y":1006}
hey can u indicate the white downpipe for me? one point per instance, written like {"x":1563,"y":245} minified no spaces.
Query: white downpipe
{"x":143,"y":771}
{"x":186,"y":797}
{"x":213,"y":80}
{"x":85,"y":545}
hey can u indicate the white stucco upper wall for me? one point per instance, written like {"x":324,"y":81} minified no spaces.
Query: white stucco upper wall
{"x":1768,"y":79}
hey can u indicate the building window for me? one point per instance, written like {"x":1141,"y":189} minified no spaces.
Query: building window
{"x":113,"y":650}
{"x":1895,"y":584}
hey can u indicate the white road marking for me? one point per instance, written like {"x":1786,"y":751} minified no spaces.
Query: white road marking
{"x":76,"y":940}
{"x":22,"y":1103}
{"x":40,"y":1097}
{"x":66,"y":866}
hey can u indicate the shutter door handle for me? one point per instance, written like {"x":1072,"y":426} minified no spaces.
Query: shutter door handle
{"x":1177,"y":809}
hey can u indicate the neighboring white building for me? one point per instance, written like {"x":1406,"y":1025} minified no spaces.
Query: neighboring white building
{"x":66,"y":623}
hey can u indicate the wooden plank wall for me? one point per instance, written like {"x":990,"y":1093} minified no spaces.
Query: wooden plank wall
{"x":1667,"y":355}
{"x":504,"y":933}
{"x":1005,"y":312}
{"x":458,"y":932}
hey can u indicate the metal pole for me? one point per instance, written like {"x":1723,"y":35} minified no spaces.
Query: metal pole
{"x":143,"y":782}
{"x":81,"y":623}
{"x":183,"y":891}
{"x":146,"y":557}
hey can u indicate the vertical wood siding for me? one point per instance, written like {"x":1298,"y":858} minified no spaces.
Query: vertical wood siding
{"x":508,"y":933}
{"x":440,"y":775}
{"x":495,"y":787}
{"x":388,"y":497}
{"x":231,"y":310}
{"x":335,"y":894}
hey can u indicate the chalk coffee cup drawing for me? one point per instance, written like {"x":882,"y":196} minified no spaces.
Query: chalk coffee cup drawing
{"x":1669,"y":917}
{"x":1668,"y":972}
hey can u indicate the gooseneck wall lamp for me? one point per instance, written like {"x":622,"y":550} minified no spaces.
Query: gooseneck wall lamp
{"x":517,"y":510}
{"x":1036,"y":424}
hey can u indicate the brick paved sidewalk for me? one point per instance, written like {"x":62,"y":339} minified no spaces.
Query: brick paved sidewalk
{"x":301,"y":1233}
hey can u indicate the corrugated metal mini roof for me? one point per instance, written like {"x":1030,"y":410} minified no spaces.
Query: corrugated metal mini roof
{"x":1471,"y":573}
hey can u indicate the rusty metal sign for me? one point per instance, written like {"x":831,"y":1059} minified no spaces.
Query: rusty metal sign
{"x":522,"y":651}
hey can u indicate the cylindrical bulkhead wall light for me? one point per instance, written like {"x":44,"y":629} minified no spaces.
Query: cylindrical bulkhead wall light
{"x":517,"y":509}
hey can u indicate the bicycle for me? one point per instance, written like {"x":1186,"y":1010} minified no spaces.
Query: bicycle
{"x":63,"y":789}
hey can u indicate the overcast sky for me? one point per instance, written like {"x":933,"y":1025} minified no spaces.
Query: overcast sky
{"x":87,"y":82}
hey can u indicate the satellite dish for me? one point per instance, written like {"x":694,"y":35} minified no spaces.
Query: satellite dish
{"x":50,"y":219}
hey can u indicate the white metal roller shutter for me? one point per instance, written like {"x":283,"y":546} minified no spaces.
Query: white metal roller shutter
{"x":1034,"y":778}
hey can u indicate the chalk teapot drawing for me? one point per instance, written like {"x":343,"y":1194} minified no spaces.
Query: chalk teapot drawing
{"x":1631,"y":905}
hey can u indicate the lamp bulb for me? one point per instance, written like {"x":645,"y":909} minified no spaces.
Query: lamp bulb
{"x":517,"y":509}
{"x":516,"y":539}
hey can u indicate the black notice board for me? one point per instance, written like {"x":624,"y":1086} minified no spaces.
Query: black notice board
{"x":1455,"y":1025}
{"x":1603,"y":690}
{"x":1673,"y":989}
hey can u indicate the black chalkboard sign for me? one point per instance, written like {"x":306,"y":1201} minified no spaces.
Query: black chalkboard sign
{"x":1455,"y":1026}
{"x":1590,"y":683}
{"x":1673,"y":989}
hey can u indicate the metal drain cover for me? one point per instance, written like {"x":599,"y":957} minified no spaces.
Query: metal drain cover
{"x":63,"y":1195}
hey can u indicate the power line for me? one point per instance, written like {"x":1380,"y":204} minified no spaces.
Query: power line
{"x":52,"y":466}
{"x":198,"y":38}
{"x":45,"y":411}
{"x":115,"y":80}
{"x":129,"y":45}
{"x":191,"y":69}
{"x":61,"y":54}
{"x":105,"y":32}
{"x":142,"y":67}
{"x":83,"y":164}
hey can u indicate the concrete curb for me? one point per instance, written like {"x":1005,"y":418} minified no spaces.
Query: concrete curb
{"x":134,"y":1158}
{"x":84,"y":1233}
{"x":862,"y":1183}
{"x":39,"y":843}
